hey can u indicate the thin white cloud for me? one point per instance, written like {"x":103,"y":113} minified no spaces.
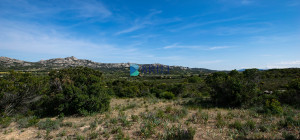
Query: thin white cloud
{"x":210,"y":62}
{"x":197,"y":47}
{"x":285,"y":64}
{"x":140,"y":23}
{"x":131,"y":29}
{"x":218,"y":47}
{"x":92,"y":8}
{"x":45,"y":40}
{"x":173,"y":46}
{"x":200,"y":23}
{"x":238,"y":2}
{"x":42,"y":9}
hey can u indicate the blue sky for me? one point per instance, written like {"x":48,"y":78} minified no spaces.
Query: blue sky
{"x":214,"y":34}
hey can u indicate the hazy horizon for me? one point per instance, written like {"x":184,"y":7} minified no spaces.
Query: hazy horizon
{"x":218,"y":34}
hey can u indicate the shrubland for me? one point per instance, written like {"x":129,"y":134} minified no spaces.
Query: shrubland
{"x":263,"y":102}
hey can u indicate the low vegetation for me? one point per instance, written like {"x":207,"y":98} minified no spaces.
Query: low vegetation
{"x":80,"y":103}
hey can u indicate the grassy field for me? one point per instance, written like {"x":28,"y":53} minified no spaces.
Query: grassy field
{"x":151,"y":118}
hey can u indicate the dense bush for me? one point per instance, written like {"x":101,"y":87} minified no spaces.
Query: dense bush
{"x":18,"y":91}
{"x":75,"y":91}
{"x":167,"y":95}
{"x":292,"y":95}
{"x":273,"y":107}
{"x":233,"y":89}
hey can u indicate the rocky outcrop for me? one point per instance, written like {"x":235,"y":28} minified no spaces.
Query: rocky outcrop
{"x":59,"y":63}
{"x":56,"y":63}
{"x":9,"y":62}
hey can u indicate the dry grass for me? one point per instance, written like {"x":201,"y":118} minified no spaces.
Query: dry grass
{"x":139,"y":118}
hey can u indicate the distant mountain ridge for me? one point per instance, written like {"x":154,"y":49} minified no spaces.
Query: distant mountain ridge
{"x":7,"y":63}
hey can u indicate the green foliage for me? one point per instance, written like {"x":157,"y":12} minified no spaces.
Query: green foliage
{"x":93,"y":124}
{"x":49,"y":124}
{"x":292,"y":95}
{"x":28,"y":121}
{"x":76,"y":90}
{"x":134,"y":118}
{"x":147,"y":129}
{"x":194,"y":79}
{"x":93,"y":135}
{"x":66,"y":124}
{"x":289,"y":121}
{"x":289,"y":136}
{"x":233,"y":89}
{"x":5,"y":121}
{"x":123,"y":88}
{"x":273,"y":107}
{"x":236,"y":125}
{"x":243,"y":128}
{"x":167,"y":95}
{"x":179,"y":133}
{"x":220,"y":121}
{"x":250,"y":124}
{"x":18,"y":91}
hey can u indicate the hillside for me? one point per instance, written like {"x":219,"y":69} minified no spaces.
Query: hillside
{"x":58,"y":63}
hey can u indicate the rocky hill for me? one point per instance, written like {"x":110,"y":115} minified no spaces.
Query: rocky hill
{"x":57,"y":63}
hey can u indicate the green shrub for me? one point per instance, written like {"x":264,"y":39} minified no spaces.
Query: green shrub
{"x":250,"y":125}
{"x":134,"y":118}
{"x":93,"y":135}
{"x":243,"y":128}
{"x":78,"y":90}
{"x":292,"y":95}
{"x":49,"y":124}
{"x":67,"y":124}
{"x":273,"y":107}
{"x":93,"y":124}
{"x":167,"y":95}
{"x":236,"y":125}
{"x":61,"y":134}
{"x":220,"y":121}
{"x":147,"y":129}
{"x":264,"y":128}
{"x":199,"y":117}
{"x":289,"y":122}
{"x":178,"y":133}
{"x":20,"y":91}
{"x":5,"y":121}
{"x":289,"y":136}
{"x":28,"y":121}
{"x":194,"y":79}
{"x":233,"y":89}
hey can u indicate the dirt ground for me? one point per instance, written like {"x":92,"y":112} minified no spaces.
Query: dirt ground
{"x":128,"y":118}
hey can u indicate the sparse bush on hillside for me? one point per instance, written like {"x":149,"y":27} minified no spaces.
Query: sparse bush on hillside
{"x":49,"y":124}
{"x":179,"y":133}
{"x":28,"y":121}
